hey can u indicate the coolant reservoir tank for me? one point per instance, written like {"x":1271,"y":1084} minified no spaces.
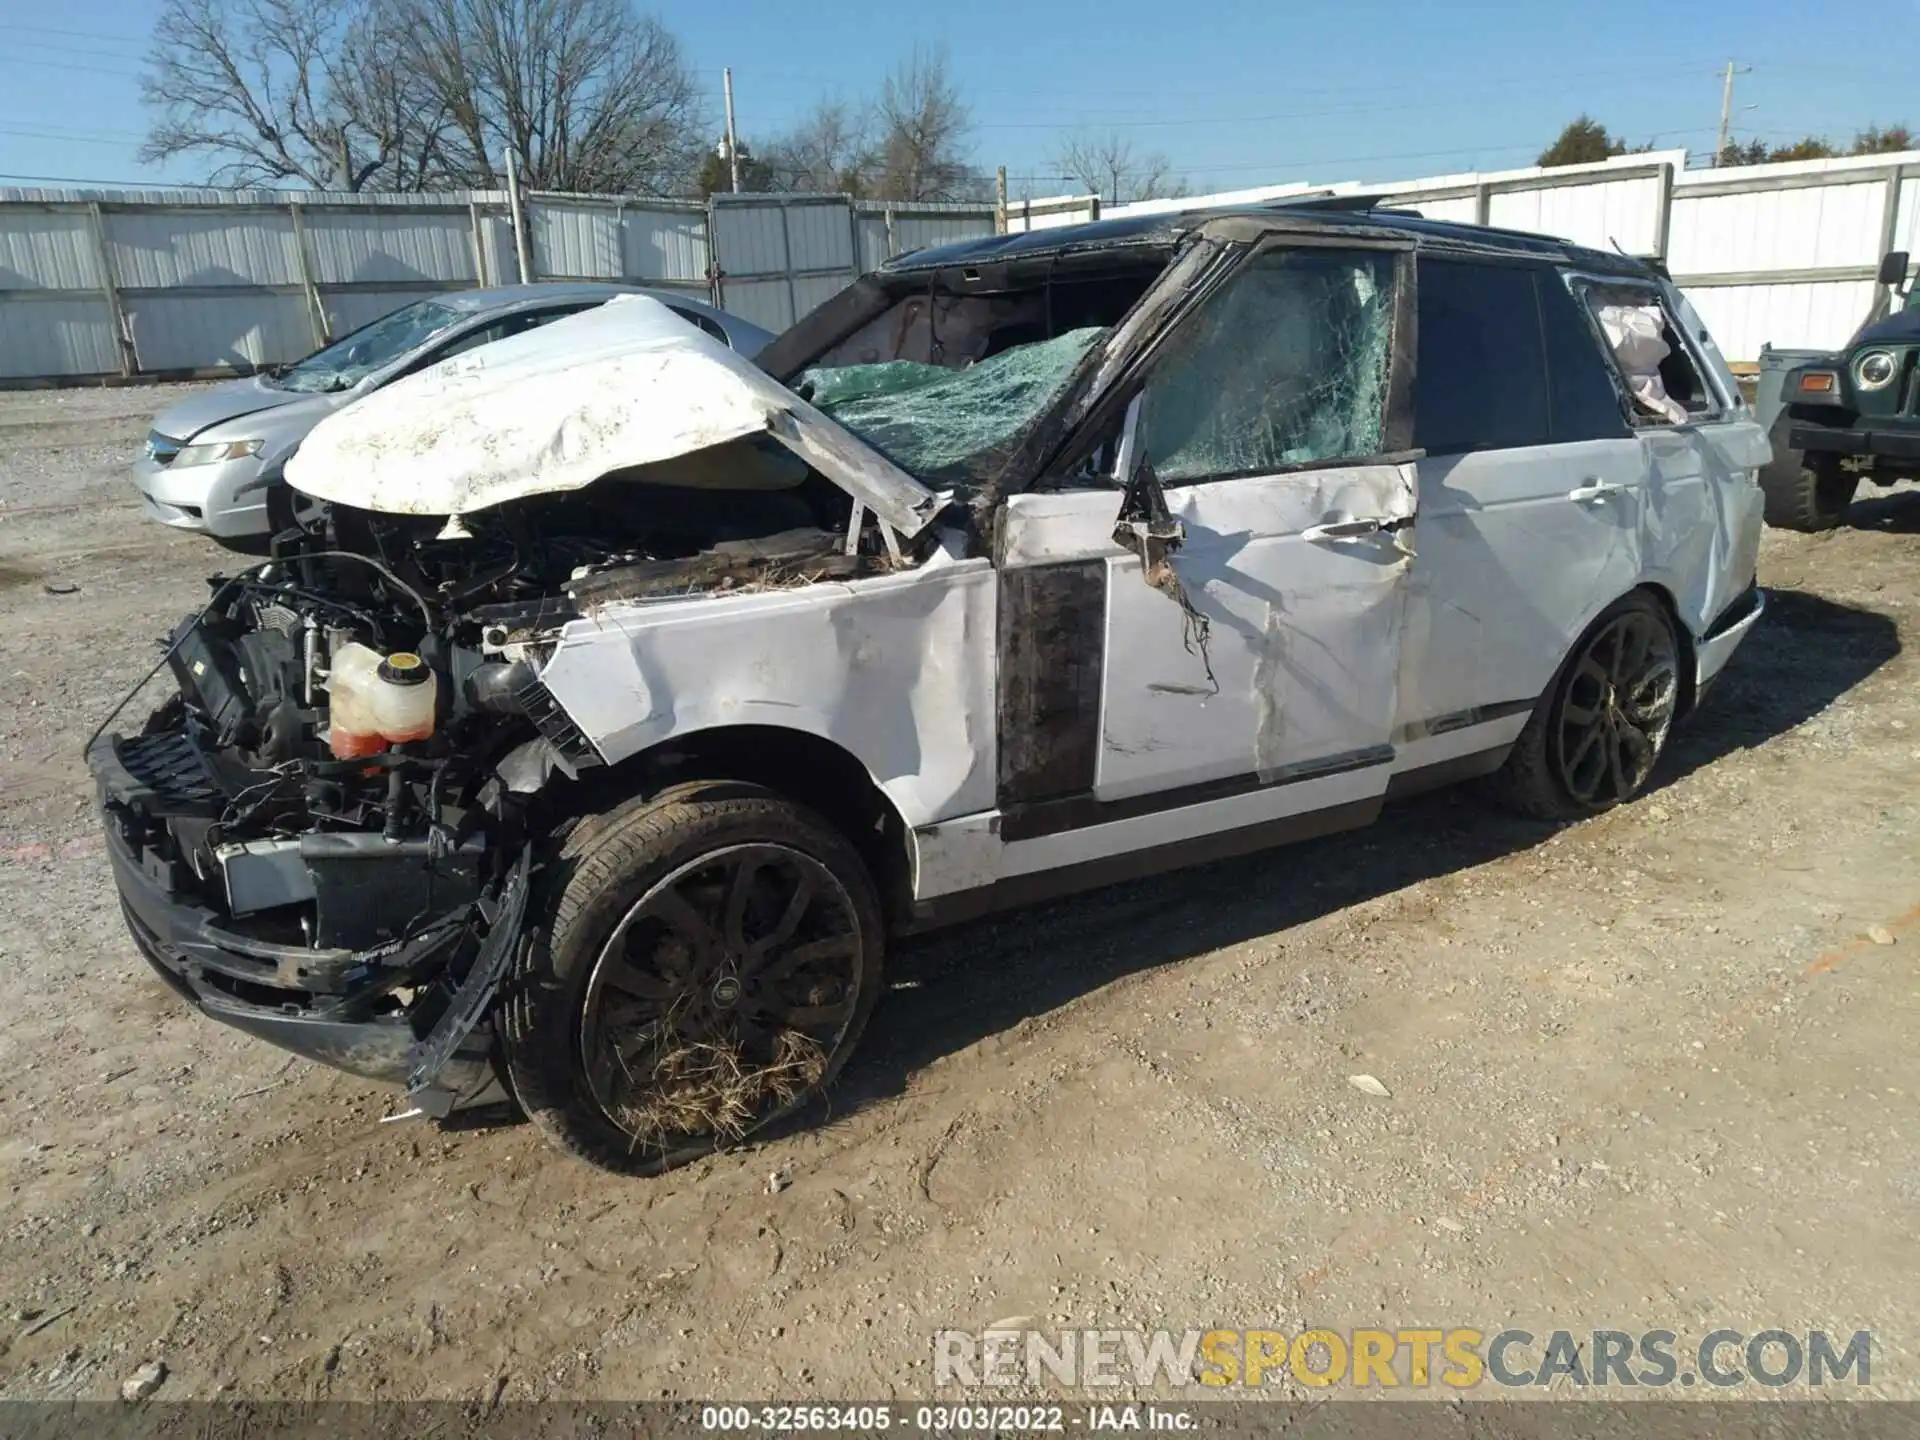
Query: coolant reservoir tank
{"x":377,"y":700}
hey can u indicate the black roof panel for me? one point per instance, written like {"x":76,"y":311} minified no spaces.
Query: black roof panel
{"x":1167,"y":227}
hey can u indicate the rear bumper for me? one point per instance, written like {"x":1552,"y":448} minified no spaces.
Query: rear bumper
{"x":1723,"y":637}
{"x":1874,"y":444}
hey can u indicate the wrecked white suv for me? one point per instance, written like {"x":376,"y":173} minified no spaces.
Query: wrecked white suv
{"x":618,"y":697}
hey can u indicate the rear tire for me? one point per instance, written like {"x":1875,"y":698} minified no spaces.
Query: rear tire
{"x":706,"y":962}
{"x":1597,"y":734}
{"x":1805,"y":493}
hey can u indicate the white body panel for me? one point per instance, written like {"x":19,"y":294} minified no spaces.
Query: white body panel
{"x":1298,"y":666}
{"x":895,"y":669}
{"x":1510,"y":570}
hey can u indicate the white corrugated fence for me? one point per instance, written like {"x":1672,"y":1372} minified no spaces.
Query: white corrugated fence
{"x":1769,"y":254}
{"x":197,"y":282}
{"x":122,"y":283}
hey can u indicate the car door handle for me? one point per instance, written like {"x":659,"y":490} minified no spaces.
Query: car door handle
{"x":1344,"y":530}
{"x":1594,"y":491}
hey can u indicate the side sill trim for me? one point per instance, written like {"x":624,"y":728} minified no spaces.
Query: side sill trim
{"x":1076,"y":812}
{"x":1019,"y":890}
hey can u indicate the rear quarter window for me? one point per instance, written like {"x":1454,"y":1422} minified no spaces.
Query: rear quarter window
{"x":1587,"y":404}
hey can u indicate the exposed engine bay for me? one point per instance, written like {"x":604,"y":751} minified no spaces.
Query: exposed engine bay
{"x":342,"y":884}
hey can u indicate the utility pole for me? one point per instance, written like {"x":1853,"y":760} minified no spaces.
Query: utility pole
{"x":733,"y":140}
{"x":522,"y":242}
{"x":1726,"y":112}
{"x":1000,"y":200}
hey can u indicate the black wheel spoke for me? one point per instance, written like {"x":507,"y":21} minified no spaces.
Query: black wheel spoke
{"x":739,"y":899}
{"x":797,"y":905}
{"x":624,"y":976}
{"x":834,"y":947}
{"x":678,"y":913}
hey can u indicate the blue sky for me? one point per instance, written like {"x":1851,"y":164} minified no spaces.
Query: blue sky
{"x":1237,"y":93}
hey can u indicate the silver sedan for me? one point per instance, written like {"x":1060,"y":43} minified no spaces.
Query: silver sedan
{"x":211,"y":460}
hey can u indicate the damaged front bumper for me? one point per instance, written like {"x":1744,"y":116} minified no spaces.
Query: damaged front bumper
{"x":407,"y":1010}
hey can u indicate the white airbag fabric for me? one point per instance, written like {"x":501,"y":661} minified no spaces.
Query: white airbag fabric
{"x":1635,"y":335}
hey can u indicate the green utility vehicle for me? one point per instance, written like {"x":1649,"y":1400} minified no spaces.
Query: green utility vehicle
{"x":1838,"y":419}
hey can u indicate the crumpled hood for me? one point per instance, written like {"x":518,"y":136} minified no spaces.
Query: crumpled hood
{"x":628,"y":383}
{"x":221,"y":403}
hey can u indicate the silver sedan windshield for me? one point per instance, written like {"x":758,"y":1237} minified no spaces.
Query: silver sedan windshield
{"x":352,"y":358}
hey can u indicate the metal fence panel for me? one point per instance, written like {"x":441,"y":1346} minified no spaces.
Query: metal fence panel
{"x":1906,"y":226}
{"x":883,"y":235}
{"x":812,"y":291}
{"x":1799,"y":229}
{"x":206,"y":330}
{"x":1602,"y":214}
{"x":168,"y":248}
{"x":767,"y":303}
{"x":750,"y":238}
{"x":820,"y":236}
{"x":47,"y":249}
{"x":500,"y":265}
{"x":1816,"y":315}
{"x":1459,"y":210}
{"x":355,"y":246}
{"x":659,"y":244}
{"x":576,"y":242}
{"x":52,"y":337}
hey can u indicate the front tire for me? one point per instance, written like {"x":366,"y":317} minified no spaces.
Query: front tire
{"x":1595,"y":737}
{"x":1808,"y":493}
{"x":707,"y":962}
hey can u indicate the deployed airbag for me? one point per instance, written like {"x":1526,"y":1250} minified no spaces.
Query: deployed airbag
{"x":1636,"y":335}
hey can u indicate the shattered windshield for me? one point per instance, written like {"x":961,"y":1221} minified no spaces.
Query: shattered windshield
{"x":1286,"y":366}
{"x":352,"y":358}
{"x":944,"y":425}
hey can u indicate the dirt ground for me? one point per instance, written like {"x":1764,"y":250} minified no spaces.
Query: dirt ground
{"x":1652,"y":1071}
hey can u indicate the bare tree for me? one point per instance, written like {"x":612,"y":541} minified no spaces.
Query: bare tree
{"x":1109,"y":166}
{"x":587,"y":94}
{"x":831,"y":150}
{"x":263,"y":88}
{"x":923,"y":126}
{"x":410,"y":125}
{"x":410,"y":94}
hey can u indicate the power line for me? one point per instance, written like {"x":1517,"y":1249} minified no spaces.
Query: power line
{"x":75,"y":34}
{"x":40,"y":64}
{"x":69,"y":139}
{"x":123,"y":184}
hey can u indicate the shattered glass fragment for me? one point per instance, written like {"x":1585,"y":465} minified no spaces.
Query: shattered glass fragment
{"x":942,"y":425}
{"x":1287,"y":366}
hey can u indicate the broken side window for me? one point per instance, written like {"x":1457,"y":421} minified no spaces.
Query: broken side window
{"x":1666,"y":384}
{"x":948,"y":426}
{"x":1287,"y":366}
